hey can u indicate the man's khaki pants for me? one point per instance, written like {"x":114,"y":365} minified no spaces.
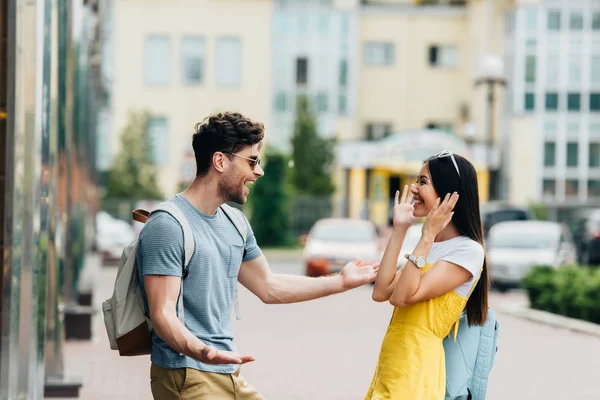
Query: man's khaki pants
{"x":191,"y":384}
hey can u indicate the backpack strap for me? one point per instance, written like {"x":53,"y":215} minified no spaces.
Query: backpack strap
{"x":189,"y":246}
{"x":239,"y":221}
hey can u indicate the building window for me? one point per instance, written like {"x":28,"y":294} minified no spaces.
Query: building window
{"x":550,"y":129}
{"x":553,"y":20}
{"x":343,"y":73}
{"x":571,"y":187}
{"x":549,"y":187}
{"x":229,"y":61}
{"x":301,"y":71}
{"x":573,"y":130}
{"x":573,"y":102}
{"x":593,"y":188}
{"x":572,"y":154}
{"x":303,"y":20}
{"x":280,"y":101}
{"x":529,"y":101}
{"x":531,"y":16}
{"x":157,"y":60}
{"x":443,"y":56}
{"x":552,"y":69}
{"x":192,"y":60}
{"x":530,"y":69}
{"x":551,"y":101}
{"x":595,"y":102}
{"x":595,"y":69}
{"x":324,"y":24}
{"x":447,"y":127}
{"x":576,"y":21}
{"x":549,"y":154}
{"x":378,"y":53}
{"x":342,"y":104}
{"x":377,"y":131}
{"x":158,"y":137}
{"x":575,"y":69}
{"x":322,"y":102}
{"x":595,"y":130}
{"x":594,"y":160}
{"x":596,"y":20}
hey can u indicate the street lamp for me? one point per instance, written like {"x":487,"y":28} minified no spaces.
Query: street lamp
{"x":492,"y":73}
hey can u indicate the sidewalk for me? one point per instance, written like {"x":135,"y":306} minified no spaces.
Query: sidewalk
{"x":104,"y":374}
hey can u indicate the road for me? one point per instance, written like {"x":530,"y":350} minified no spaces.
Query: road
{"x":327,"y":349}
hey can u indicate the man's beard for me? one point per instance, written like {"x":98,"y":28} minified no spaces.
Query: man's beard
{"x":230,"y":191}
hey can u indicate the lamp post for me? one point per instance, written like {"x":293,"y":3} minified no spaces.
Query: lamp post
{"x":492,"y":74}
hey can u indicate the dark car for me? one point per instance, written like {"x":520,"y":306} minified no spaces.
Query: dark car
{"x":495,"y":212}
{"x":585,"y":228}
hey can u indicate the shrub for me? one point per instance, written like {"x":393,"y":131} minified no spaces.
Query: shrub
{"x":571,"y":291}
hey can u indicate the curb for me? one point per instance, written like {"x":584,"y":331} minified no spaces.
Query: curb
{"x":550,"y":319}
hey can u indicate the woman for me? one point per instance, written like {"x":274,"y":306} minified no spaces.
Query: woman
{"x":445,"y":275}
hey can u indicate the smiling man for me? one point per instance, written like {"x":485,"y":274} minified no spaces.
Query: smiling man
{"x":198,"y":360}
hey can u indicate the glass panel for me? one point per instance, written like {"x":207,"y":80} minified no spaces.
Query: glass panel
{"x":593,"y":188}
{"x":229,"y":61}
{"x":378,"y":53}
{"x":595,"y":69}
{"x":322,"y":102}
{"x":553,"y":20}
{"x":551,"y":101}
{"x":531,"y":16}
{"x":343,"y":73}
{"x":529,"y":101}
{"x":552,"y":69}
{"x":158,"y":137}
{"x":575,"y":69}
{"x":343,"y":106}
{"x":595,"y":102}
{"x":573,"y":102}
{"x":549,"y":187}
{"x":549,"y":154}
{"x":280,"y":100}
{"x":530,"y":69}
{"x":576,"y":20}
{"x":572,"y":154}
{"x":192,"y":59}
{"x":157,"y":60}
{"x":594,"y":155}
{"x":571,"y":187}
{"x":596,"y":20}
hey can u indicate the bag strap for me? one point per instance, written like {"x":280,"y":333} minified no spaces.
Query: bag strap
{"x":239,"y":221}
{"x":189,"y":244}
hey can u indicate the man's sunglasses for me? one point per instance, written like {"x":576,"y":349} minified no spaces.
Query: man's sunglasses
{"x":254,"y":161}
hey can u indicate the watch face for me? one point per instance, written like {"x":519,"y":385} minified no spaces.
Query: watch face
{"x":421,"y":262}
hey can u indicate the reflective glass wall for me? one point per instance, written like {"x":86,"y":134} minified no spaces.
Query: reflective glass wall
{"x":48,"y":98}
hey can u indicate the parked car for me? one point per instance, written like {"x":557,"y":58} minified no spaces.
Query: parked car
{"x":334,"y":242}
{"x":514,"y":247}
{"x":498,"y":211}
{"x":112,"y":236}
{"x":585,"y":228}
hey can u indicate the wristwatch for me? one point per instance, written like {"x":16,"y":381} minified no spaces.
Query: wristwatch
{"x":419,"y":261}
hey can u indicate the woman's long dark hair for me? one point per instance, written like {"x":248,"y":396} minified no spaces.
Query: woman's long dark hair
{"x":466,"y":219}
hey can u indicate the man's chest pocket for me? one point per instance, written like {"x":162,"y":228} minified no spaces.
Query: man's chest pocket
{"x":236,"y":253}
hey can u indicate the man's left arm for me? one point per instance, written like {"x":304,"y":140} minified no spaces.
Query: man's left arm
{"x":272,"y":288}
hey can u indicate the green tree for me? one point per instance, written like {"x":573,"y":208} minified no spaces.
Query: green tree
{"x":270,"y":220}
{"x":133,"y":175}
{"x":312,"y":154}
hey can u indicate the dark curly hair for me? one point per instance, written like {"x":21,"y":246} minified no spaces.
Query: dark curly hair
{"x":227,"y":132}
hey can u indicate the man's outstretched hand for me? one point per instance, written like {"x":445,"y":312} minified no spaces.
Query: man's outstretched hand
{"x":355,"y":274}
{"x":210,"y":355}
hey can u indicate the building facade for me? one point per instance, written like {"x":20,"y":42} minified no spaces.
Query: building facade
{"x":182,"y":66}
{"x":552,"y":56}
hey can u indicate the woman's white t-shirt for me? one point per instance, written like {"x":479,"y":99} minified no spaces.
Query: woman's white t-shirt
{"x":461,"y":251}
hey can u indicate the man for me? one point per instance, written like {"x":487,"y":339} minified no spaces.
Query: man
{"x":197,"y":360}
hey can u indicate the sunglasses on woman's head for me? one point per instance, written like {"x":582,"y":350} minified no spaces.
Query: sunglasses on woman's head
{"x":447,"y":153}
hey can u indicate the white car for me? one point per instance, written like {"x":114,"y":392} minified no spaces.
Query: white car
{"x":514,"y":247}
{"x":334,"y":242}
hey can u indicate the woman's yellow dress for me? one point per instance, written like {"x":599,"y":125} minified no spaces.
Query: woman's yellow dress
{"x":411,"y":363}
